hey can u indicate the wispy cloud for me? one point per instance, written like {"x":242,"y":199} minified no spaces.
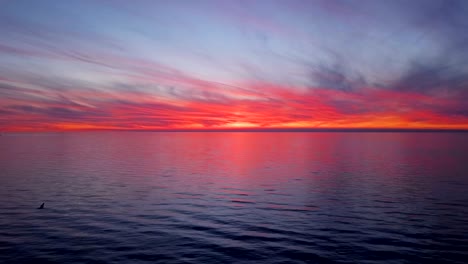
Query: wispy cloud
{"x":233,"y":64}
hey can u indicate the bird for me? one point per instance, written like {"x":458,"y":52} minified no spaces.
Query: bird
{"x":42,"y":206}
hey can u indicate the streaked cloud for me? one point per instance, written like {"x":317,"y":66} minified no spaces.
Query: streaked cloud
{"x":219,"y":64}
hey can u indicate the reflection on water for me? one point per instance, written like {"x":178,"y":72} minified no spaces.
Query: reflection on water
{"x":234,"y":197}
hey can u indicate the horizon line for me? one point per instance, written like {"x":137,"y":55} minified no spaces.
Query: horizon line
{"x":408,"y":130}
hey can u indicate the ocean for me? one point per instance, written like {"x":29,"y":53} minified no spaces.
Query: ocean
{"x":234,"y":197}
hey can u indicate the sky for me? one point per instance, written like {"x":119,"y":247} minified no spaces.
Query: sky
{"x":189,"y":64}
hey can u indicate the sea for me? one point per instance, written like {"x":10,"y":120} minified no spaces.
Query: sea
{"x":234,"y":197}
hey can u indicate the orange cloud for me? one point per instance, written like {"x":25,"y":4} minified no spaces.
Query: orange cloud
{"x":258,"y":105}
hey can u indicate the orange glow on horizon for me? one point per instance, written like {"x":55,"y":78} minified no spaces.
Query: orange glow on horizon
{"x":239,"y":126}
{"x":264,"y":106}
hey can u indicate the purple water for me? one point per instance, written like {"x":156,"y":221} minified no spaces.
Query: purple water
{"x":141,"y":197}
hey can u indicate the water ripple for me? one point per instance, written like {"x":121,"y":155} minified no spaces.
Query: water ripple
{"x":151,"y":199}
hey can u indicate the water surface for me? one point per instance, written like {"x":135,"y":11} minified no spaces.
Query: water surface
{"x":133,"y":197}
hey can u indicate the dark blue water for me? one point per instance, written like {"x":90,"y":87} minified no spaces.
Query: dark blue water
{"x":132,"y":197}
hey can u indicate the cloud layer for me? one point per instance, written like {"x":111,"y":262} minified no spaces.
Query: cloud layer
{"x":216,"y":64}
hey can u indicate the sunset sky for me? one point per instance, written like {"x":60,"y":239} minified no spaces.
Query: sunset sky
{"x":148,"y":65}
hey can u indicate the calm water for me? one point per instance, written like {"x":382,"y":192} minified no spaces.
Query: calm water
{"x":234,"y":198}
